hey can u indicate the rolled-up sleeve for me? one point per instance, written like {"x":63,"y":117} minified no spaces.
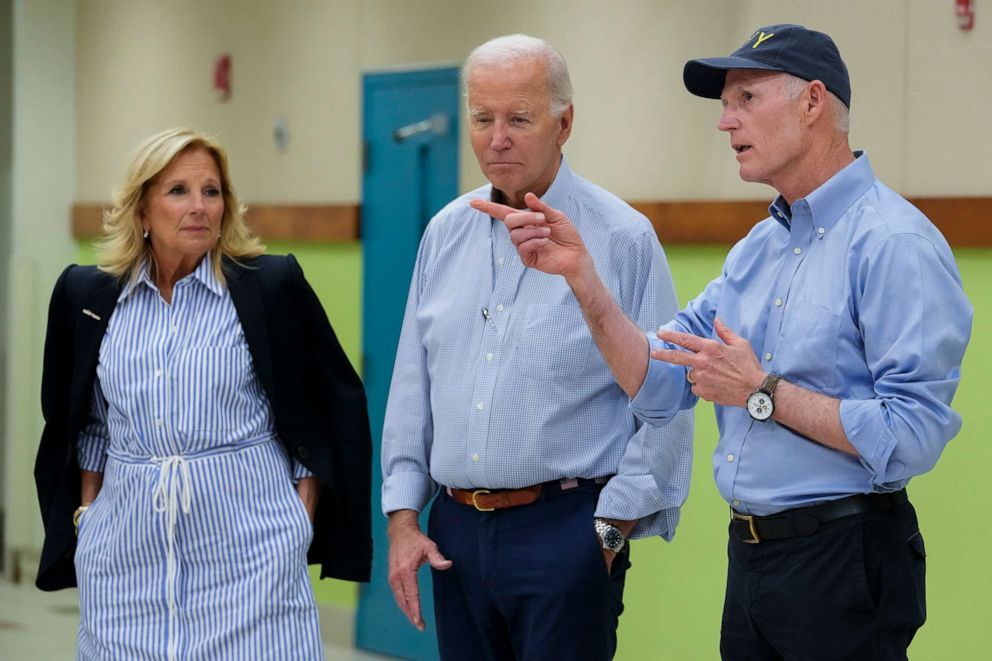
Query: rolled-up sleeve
{"x":665,"y":390}
{"x":916,"y":323}
{"x":94,"y":439}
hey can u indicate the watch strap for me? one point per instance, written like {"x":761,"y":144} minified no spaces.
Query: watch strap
{"x":768,"y":385}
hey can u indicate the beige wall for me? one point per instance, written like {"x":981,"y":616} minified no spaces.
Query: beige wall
{"x":918,"y":84}
{"x":146,"y":66}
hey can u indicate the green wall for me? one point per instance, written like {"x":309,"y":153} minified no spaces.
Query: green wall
{"x":675,"y":591}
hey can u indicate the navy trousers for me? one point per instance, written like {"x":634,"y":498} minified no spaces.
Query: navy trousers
{"x":852,"y":590}
{"x":528,"y":582}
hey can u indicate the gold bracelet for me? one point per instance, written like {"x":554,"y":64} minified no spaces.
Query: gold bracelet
{"x":75,"y":517}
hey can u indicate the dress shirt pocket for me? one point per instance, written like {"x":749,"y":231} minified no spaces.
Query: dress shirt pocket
{"x":212,"y":385}
{"x":554,"y":340}
{"x":807,"y":350}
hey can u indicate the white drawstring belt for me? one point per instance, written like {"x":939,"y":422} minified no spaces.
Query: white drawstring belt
{"x":174,"y":491}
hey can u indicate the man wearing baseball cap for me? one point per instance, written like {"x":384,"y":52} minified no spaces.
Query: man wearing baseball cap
{"x":831,"y":346}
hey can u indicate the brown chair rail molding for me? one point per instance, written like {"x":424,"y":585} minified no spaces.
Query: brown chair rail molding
{"x":306,"y":223}
{"x":965,"y":221}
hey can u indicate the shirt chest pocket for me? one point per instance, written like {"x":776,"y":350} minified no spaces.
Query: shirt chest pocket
{"x":555,"y":341}
{"x":807,"y":350}
{"x":212,"y":388}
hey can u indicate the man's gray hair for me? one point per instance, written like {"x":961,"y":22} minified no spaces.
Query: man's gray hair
{"x":794,"y":86}
{"x":507,"y":51}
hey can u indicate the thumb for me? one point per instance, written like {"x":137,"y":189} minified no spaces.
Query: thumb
{"x":438,"y":561}
{"x":534,"y":203}
{"x":723,"y":332}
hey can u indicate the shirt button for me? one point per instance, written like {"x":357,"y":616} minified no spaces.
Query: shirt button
{"x":302,"y":452}
{"x":500,"y":308}
{"x":820,"y":230}
{"x":778,"y":302}
{"x":174,"y":329}
{"x":797,"y":250}
{"x":730,"y":458}
{"x":736,"y":502}
{"x":768,"y":356}
{"x":480,"y":405}
{"x":475,"y":457}
{"x":158,"y":374}
{"x":489,"y":356}
{"x":500,"y":261}
{"x":159,"y":422}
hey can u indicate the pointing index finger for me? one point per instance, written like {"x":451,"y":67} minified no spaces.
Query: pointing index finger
{"x":494,"y":209}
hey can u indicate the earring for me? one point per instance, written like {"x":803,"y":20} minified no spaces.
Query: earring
{"x":145,"y":235}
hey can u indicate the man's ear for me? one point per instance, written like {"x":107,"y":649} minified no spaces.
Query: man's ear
{"x":565,"y":125}
{"x":816,"y":101}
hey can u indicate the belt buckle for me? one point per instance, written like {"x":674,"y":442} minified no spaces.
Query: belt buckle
{"x":755,"y":539}
{"x":475,"y":503}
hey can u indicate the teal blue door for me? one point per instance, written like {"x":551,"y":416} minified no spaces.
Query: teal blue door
{"x":411,"y":171}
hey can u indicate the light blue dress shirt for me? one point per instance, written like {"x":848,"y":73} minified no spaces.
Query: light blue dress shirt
{"x":497,"y":382}
{"x":852,"y":293}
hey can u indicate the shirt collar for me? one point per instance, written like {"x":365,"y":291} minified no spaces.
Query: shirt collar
{"x":557,"y":192}
{"x":833,"y":198}
{"x":203,"y":273}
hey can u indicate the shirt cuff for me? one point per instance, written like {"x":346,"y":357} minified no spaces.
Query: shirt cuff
{"x":91,"y":452}
{"x":871,"y":439}
{"x":637,"y":498}
{"x":300,"y":471}
{"x":406,"y":491}
{"x":660,"y":396}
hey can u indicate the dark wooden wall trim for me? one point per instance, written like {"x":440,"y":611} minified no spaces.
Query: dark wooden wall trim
{"x":965,"y":221}
{"x":316,"y":223}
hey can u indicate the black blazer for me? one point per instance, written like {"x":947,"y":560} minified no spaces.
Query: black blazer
{"x":317,"y":399}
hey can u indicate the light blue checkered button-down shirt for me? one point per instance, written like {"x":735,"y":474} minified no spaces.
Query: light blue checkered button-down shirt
{"x":498,"y":383}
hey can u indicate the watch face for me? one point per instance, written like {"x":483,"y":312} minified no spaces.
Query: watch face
{"x":760,"y":406}
{"x":612,"y":539}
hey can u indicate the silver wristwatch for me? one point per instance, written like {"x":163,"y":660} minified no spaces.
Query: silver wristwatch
{"x":609,"y":535}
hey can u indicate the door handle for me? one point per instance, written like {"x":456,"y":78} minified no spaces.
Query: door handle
{"x":436,"y":124}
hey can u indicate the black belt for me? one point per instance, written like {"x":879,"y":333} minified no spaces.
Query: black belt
{"x":804,"y":521}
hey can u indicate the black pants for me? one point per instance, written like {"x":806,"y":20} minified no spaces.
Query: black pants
{"x":528,"y":582}
{"x":852,"y":590}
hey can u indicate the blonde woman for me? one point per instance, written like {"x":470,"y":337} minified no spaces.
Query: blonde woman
{"x":199,"y":415}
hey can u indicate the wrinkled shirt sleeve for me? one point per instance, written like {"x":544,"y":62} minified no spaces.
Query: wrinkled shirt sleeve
{"x":665,"y":390}
{"x":408,"y":427}
{"x":916,"y":322}
{"x":652,"y":481}
{"x":94,"y":439}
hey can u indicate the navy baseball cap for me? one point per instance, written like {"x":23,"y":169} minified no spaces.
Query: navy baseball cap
{"x":793,"y":49}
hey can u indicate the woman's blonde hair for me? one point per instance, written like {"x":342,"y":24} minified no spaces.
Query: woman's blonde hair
{"x":123,"y":248}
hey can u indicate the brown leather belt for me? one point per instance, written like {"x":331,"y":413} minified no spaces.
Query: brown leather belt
{"x":488,"y":500}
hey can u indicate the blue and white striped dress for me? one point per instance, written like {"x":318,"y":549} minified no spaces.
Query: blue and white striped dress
{"x":195,"y":547}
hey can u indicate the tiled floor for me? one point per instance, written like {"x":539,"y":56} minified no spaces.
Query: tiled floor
{"x":36,"y":625}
